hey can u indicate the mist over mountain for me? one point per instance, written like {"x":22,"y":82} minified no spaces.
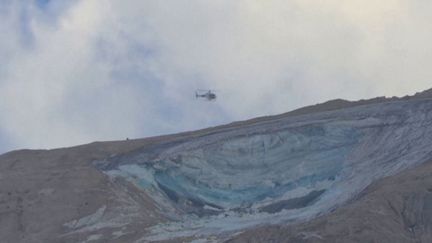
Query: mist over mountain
{"x":339,"y":171}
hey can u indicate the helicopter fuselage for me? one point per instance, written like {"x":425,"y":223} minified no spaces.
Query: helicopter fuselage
{"x":208,"y":95}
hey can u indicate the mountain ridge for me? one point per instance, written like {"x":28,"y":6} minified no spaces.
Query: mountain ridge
{"x":122,"y":191}
{"x":320,"y":107}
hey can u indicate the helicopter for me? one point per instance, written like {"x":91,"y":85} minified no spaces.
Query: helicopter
{"x":208,"y":94}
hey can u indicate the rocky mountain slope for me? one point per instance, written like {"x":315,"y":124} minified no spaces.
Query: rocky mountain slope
{"x":336,"y":172}
{"x":394,"y":209}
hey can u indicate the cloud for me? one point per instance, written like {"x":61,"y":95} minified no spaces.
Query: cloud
{"x":90,"y":70}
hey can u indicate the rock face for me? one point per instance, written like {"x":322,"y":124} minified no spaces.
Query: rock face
{"x":394,"y":209}
{"x":336,"y":172}
{"x":57,"y":196}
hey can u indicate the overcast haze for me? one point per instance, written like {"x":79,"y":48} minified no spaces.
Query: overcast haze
{"x":73,"y":72}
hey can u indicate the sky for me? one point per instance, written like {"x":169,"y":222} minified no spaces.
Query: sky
{"x":73,"y":72}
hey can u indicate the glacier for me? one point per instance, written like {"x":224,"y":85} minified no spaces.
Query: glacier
{"x":274,"y":171}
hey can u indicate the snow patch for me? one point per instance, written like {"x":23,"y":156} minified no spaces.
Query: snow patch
{"x":88,"y":220}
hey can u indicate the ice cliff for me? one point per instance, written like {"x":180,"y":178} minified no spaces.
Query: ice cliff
{"x":287,"y":169}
